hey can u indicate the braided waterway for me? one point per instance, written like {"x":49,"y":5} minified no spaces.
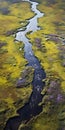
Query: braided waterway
{"x":31,"y":108}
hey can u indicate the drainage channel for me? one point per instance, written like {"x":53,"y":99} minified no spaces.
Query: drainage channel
{"x":31,"y":108}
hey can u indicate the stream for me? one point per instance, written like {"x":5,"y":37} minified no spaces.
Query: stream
{"x":31,"y":108}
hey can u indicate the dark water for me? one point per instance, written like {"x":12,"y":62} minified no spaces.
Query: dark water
{"x":31,"y":108}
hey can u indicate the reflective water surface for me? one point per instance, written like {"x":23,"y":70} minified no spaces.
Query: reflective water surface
{"x":31,"y":108}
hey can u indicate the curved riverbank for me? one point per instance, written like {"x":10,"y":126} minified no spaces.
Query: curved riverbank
{"x":31,"y":108}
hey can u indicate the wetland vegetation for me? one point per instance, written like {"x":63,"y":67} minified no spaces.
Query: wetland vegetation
{"x":48,"y":45}
{"x":12,"y":61}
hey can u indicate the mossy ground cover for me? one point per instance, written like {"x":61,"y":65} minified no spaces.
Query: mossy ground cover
{"x":12,"y":61}
{"x":48,"y":45}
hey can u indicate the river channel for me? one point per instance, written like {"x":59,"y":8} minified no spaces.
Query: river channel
{"x":31,"y":108}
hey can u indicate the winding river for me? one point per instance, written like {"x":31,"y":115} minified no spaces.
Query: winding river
{"x":31,"y":108}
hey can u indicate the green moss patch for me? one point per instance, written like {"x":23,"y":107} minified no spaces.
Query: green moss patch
{"x":48,"y":46}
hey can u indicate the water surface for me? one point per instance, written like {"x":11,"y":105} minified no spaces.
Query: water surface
{"x":31,"y":108}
